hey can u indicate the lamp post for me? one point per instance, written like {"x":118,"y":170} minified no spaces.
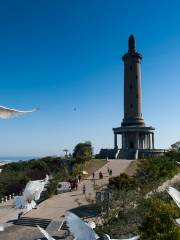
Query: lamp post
{"x":66,"y":151}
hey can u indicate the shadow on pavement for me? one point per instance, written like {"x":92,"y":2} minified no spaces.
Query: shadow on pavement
{"x":85,"y":211}
{"x":55,"y":237}
{"x":32,"y":222}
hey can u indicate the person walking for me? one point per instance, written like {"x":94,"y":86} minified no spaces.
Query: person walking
{"x":100,"y":175}
{"x":110,"y":172}
{"x":20,"y":215}
{"x":76,"y":184}
{"x":79,"y":177}
{"x":93,"y":175}
{"x":84,"y":189}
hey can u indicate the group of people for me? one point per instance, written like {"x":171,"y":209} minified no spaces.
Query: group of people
{"x":101,"y":174}
{"x":74,"y":183}
{"x":110,"y":171}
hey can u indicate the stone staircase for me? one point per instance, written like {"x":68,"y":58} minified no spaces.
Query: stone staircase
{"x":117,"y":167}
{"x":123,"y":154}
{"x":33,"y":222}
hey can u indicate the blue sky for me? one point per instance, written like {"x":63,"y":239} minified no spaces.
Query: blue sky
{"x":66,"y":54}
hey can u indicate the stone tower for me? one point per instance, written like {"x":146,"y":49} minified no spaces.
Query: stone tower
{"x":132,"y":86}
{"x":136,"y":138}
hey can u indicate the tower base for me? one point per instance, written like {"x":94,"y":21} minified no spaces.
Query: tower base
{"x":134,"y":137}
{"x":136,"y":142}
{"x":139,"y":154}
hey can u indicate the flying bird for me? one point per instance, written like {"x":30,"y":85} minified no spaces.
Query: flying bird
{"x":46,"y":234}
{"x":79,"y":229}
{"x":11,"y":113}
{"x":82,"y":231}
{"x":31,"y":194}
{"x":175,"y":194}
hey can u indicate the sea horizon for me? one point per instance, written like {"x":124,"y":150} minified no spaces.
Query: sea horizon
{"x":17,"y":158}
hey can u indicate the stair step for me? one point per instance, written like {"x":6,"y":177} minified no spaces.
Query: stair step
{"x":33,"y":222}
{"x":64,"y":226}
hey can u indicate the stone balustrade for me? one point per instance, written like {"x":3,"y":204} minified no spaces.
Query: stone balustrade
{"x":7,"y":198}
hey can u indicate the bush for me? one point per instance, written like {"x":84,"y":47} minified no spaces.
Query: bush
{"x":123,"y":182}
{"x":12,"y":183}
{"x":123,"y":217}
{"x":174,"y":155}
{"x":153,"y":171}
{"x":158,"y":222}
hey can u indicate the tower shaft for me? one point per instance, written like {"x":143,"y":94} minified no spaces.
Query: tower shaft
{"x":132,"y":87}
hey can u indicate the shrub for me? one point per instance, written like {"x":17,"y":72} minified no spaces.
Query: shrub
{"x":123,"y":218}
{"x":174,"y":155}
{"x":158,"y":222}
{"x":152,"y":171}
{"x":123,"y":182}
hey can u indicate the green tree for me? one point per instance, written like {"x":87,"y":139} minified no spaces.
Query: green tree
{"x":40,"y":165}
{"x":14,"y":176}
{"x":77,"y":169}
{"x":83,"y":152}
{"x":158,"y":222}
{"x":176,"y":146}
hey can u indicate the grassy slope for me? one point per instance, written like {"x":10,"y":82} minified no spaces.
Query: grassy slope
{"x":93,"y":165}
{"x":131,"y":169}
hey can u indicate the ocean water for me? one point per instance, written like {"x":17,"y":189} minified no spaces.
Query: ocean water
{"x":15,"y":159}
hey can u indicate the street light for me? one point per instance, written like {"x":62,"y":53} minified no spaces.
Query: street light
{"x":66,"y":151}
